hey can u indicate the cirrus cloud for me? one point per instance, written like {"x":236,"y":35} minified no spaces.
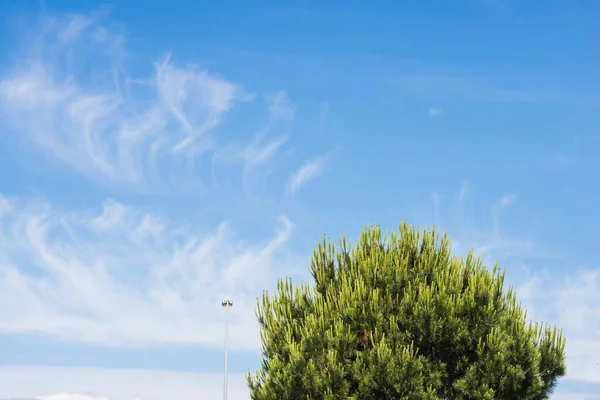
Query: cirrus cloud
{"x":69,"y":94}
{"x":133,"y":280}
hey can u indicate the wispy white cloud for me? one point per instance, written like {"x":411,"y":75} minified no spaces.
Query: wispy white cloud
{"x":123,"y":276}
{"x":67,"y":94}
{"x":310,"y":170}
{"x":113,"y":214}
{"x":463,"y":194}
{"x":280,"y":106}
{"x":196,"y":99}
{"x":267,"y":142}
{"x":265,"y":146}
{"x":505,"y":201}
{"x":5,"y":205}
{"x":473,"y":88}
{"x":502,"y":204}
{"x":490,"y":243}
{"x":435,"y":112}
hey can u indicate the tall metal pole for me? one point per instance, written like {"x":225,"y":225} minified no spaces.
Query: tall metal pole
{"x":226,"y":303}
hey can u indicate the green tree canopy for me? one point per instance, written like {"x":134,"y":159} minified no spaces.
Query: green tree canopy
{"x":400,"y":317}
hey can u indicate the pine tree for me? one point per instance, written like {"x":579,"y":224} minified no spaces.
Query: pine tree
{"x":400,"y":317}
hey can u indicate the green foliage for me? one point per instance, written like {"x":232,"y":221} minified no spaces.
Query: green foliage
{"x":400,"y":317}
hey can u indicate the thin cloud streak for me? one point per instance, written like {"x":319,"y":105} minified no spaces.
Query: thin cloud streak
{"x":472,"y":88}
{"x":310,"y":170}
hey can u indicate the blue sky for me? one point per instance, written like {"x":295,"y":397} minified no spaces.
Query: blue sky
{"x":155,"y":160}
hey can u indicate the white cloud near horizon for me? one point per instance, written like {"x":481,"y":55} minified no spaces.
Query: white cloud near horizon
{"x":63,"y":383}
{"x":70,"y":396}
{"x":68,"y":93}
{"x":122,"y":276}
{"x":59,"y":383}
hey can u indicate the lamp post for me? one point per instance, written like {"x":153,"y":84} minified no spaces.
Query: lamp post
{"x":226,"y":303}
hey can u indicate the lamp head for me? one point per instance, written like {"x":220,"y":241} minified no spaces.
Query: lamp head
{"x":227,"y":303}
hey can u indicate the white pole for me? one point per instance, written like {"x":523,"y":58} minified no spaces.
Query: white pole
{"x":226,"y":304}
